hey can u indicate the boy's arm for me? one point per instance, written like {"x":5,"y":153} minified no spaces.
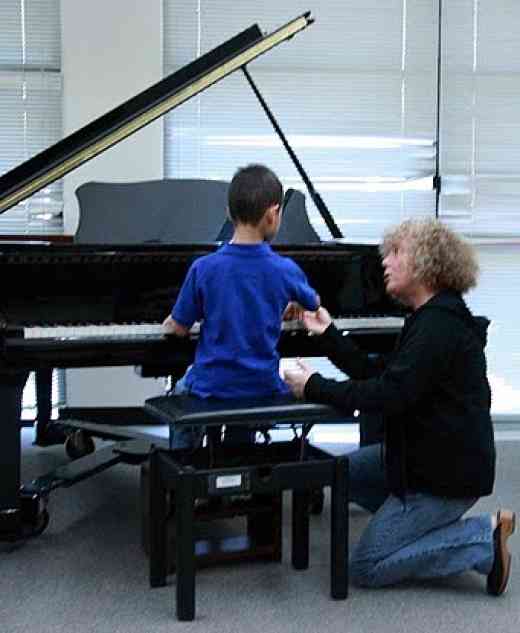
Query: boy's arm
{"x":187,"y":309}
{"x":171,"y":326}
{"x":300,"y":292}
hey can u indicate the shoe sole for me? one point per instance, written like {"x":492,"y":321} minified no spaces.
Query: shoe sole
{"x":506,"y":521}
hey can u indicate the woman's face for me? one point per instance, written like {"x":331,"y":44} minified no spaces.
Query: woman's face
{"x":399,"y":279}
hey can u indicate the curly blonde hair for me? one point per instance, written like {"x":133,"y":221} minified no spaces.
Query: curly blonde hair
{"x":440,"y":258}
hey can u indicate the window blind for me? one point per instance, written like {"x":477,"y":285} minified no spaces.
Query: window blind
{"x":355,"y":94}
{"x":497,"y":298}
{"x":480,"y":122}
{"x":30,"y":105}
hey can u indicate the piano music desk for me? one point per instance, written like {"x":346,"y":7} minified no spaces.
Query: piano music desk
{"x":217,"y":471}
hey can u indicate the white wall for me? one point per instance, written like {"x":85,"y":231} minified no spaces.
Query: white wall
{"x":111,"y":51}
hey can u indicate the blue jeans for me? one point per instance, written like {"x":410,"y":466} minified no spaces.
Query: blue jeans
{"x":421,"y":536}
{"x":185,"y":436}
{"x":191,"y":436}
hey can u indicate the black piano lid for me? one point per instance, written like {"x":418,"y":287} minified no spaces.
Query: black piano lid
{"x":132,"y":115}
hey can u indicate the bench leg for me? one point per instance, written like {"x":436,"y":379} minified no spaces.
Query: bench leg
{"x":185,"y":545}
{"x":157,"y":524}
{"x":339,"y":531}
{"x":300,"y":529}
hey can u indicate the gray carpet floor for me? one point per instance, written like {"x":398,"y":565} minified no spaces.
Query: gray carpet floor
{"x":88,"y":573}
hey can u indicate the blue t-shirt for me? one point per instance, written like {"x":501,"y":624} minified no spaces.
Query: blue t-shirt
{"x":240,"y":293}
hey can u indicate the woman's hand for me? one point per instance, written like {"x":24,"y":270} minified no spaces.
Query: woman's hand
{"x":297,"y":378}
{"x":317,"y":322}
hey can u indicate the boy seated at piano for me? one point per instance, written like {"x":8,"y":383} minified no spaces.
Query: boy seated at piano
{"x":240,"y":295}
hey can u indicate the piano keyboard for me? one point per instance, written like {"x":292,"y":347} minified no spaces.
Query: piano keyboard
{"x":109,"y":330}
{"x":143,"y":330}
{"x":354,"y":323}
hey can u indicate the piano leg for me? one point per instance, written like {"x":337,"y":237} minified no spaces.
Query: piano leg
{"x":11,"y":390}
{"x":47,"y":432}
{"x":43,"y":401}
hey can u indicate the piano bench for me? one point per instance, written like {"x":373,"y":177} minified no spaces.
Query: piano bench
{"x":256,"y":413}
{"x":238,"y":479}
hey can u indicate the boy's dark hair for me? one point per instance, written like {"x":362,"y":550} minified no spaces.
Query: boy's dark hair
{"x":252,"y":191}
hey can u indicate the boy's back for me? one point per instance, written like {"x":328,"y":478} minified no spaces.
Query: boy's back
{"x":240,"y":293}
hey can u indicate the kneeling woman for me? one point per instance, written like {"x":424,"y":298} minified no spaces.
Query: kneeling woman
{"x":438,"y":457}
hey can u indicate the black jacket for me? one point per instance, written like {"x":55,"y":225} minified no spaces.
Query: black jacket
{"x":434,"y":396}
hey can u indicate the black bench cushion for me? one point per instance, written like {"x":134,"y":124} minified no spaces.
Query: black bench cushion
{"x":191,"y":410}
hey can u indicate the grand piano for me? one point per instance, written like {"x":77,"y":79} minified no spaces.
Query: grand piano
{"x":131,"y":286}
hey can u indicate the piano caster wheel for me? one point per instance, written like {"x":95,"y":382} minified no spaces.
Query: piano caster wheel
{"x":317,"y":501}
{"x":79,"y":444}
{"x":27,"y":530}
{"x":34,"y":516}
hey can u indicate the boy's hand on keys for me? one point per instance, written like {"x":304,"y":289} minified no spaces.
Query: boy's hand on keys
{"x":293,"y":312}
